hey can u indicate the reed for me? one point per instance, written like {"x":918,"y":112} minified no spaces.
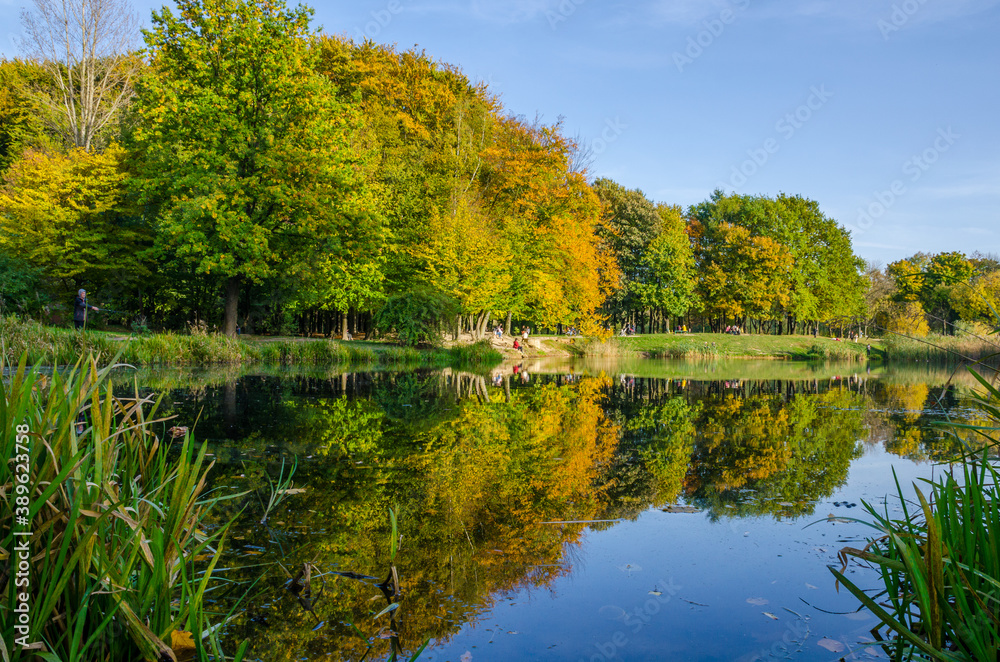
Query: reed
{"x":942,"y":349}
{"x":939,"y":564}
{"x":122,"y":550}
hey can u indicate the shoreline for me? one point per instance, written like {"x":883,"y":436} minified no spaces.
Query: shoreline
{"x":48,"y":346}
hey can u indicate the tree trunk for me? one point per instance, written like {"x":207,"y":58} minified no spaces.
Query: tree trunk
{"x":479,"y":330}
{"x":232,"y":299}
{"x":343,"y":325}
{"x":506,"y":327}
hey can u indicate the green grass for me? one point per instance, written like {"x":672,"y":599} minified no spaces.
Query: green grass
{"x":122,"y":552}
{"x":44,"y":345}
{"x":697,"y":345}
{"x":939,"y":564}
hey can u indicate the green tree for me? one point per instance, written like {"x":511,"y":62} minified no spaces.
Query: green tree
{"x":246,"y":150}
{"x":668,"y":263}
{"x":629,"y":224}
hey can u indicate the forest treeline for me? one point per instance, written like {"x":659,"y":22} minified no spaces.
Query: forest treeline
{"x":244,"y":170}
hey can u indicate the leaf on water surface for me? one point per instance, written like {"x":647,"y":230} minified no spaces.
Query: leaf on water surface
{"x":393,"y":607}
{"x":466,"y":657}
{"x":808,"y":585}
{"x":182,"y":644}
{"x":612,"y":612}
{"x":832,"y":645}
{"x":858,"y":616}
{"x":293,"y":490}
{"x":770,"y":615}
{"x":628,"y":567}
{"x":820,"y":549}
{"x":760,"y":602}
{"x":655,"y":593}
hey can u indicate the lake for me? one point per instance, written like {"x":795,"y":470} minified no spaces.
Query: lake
{"x":638,"y":510}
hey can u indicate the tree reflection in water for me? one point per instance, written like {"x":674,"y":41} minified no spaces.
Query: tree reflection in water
{"x":478,"y":465}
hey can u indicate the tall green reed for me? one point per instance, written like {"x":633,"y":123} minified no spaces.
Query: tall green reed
{"x":123,"y":547}
{"x":939,"y":564}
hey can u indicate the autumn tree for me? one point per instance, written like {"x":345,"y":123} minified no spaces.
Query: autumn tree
{"x":21,"y":117}
{"x":247,"y":159}
{"x":979,"y":301}
{"x":66,"y":214}
{"x":826,"y":280}
{"x":742,"y":275}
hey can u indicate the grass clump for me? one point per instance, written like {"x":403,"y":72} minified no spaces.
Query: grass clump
{"x":476,"y":355}
{"x":122,"y":551}
{"x":939,"y":564}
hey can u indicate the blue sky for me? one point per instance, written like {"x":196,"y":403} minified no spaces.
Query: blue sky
{"x":884,"y":111}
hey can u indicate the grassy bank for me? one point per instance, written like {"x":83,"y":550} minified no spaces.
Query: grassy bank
{"x":46,"y":345}
{"x":720,"y":345}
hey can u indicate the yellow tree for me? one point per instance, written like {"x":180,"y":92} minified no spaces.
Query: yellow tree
{"x":64,"y":213}
{"x":742,"y":275}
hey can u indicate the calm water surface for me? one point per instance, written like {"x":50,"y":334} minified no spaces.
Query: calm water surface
{"x":647,"y":510}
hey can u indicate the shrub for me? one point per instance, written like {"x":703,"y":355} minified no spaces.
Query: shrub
{"x":417,"y":316}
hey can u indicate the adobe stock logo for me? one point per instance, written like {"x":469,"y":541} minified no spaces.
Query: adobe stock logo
{"x":900,"y":16}
{"x":380,"y":20}
{"x":564,"y":10}
{"x":786,"y":127}
{"x":714,"y":27}
{"x":914,"y":168}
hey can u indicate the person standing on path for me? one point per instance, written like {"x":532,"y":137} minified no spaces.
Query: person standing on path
{"x":80,"y":307}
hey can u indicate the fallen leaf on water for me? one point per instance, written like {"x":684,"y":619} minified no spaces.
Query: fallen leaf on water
{"x":612,"y":612}
{"x":760,"y":602}
{"x":393,"y":607}
{"x":655,"y":593}
{"x":466,"y":657}
{"x":808,"y":585}
{"x":182,"y":645}
{"x":770,"y":615}
{"x":832,"y":645}
{"x":294,"y":490}
{"x":858,"y":616}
